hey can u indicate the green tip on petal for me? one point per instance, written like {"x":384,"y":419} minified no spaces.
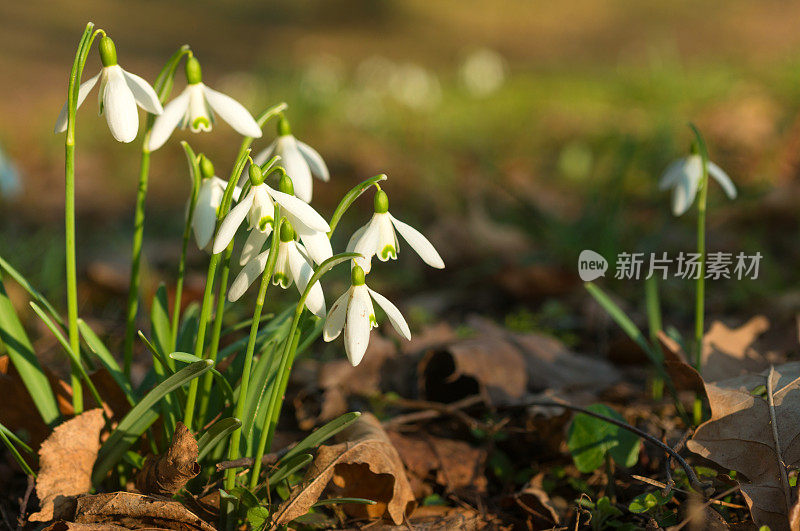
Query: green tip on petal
{"x":357,"y":276}
{"x":381,"y":202}
{"x":108,"y":52}
{"x":256,"y":177}
{"x":285,"y":185}
{"x":287,"y":232}
{"x":194,"y":74}
{"x":283,"y":127}
{"x":206,"y":167}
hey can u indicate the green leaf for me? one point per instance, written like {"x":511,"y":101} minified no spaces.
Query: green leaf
{"x":71,"y":354}
{"x":623,"y":321}
{"x":350,"y":198}
{"x":648,"y":501}
{"x":16,"y":440}
{"x":188,"y":329}
{"x":321,"y":434}
{"x":107,"y":360}
{"x":361,"y":501}
{"x":27,"y":286}
{"x":16,"y":455}
{"x":589,"y":439}
{"x":287,"y":467}
{"x":257,"y":516}
{"x":216,"y":434}
{"x":160,"y":325}
{"x":140,"y":418}
{"x":20,"y":352}
{"x":223,"y":383}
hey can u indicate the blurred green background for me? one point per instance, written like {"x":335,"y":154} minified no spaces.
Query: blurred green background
{"x":514,"y":133}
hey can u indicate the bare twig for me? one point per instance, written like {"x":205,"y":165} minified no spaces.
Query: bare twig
{"x":247,"y":462}
{"x":778,"y":452}
{"x":432,"y":410}
{"x":711,"y":501}
{"x":23,"y":506}
{"x":694,"y":481}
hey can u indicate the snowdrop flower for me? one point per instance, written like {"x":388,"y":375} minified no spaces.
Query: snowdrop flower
{"x":684,"y":176}
{"x":195,"y":108}
{"x":120,"y":92}
{"x":299,"y":159}
{"x":378,"y":238}
{"x":354,"y":312}
{"x":209,"y":199}
{"x":259,"y":206}
{"x":291,"y":266}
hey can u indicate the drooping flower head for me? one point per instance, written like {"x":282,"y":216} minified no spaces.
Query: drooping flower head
{"x":378,"y":237}
{"x":258,"y":207}
{"x":684,"y":176}
{"x":292,"y":266}
{"x":209,"y":199}
{"x":298,"y":158}
{"x":120,"y":92}
{"x":195,"y":107}
{"x":353,"y":311}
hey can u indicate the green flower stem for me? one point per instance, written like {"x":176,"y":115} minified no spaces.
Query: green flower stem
{"x":236,"y":436}
{"x":287,"y":358}
{"x":216,"y":331}
{"x":187,"y":232}
{"x":69,"y":207}
{"x":208,"y":294}
{"x":699,"y":325}
{"x":163,"y":88}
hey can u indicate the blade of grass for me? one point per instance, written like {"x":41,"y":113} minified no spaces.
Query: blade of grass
{"x":16,"y":455}
{"x":215,"y":435}
{"x":97,"y":347}
{"x":138,"y":419}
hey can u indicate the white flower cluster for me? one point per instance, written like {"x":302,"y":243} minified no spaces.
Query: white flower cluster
{"x":304,"y":234}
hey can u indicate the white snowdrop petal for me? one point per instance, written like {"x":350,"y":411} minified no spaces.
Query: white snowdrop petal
{"x":205,"y":213}
{"x":357,"y":325}
{"x":253,"y":244}
{"x":672,"y":174}
{"x":83,"y":91}
{"x":249,"y":273}
{"x":366,"y":245}
{"x":144,"y":94}
{"x":317,"y":245}
{"x":419,"y":243}
{"x":722,"y":178}
{"x":264,"y":155}
{"x":296,"y":166}
{"x":119,"y":106}
{"x":394,"y":315}
{"x":168,"y":120}
{"x":232,"y":112}
{"x":302,"y":272}
{"x":336,"y":316}
{"x":301,"y":210}
{"x":314,"y":160}
{"x":229,"y":226}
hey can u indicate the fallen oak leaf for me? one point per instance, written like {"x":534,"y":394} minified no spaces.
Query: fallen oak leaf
{"x":167,"y":473}
{"x":683,"y":375}
{"x":63,"y":525}
{"x":365,"y":466}
{"x":66,"y":459}
{"x":757,"y":437}
{"x":136,"y":511}
{"x":728,"y":352}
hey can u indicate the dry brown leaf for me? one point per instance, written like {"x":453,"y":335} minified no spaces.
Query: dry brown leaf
{"x":739,"y":436}
{"x":365,"y":466}
{"x":728,"y":352}
{"x":442,"y":518}
{"x":137,"y":511}
{"x":66,"y":459}
{"x":683,"y":375}
{"x":62,"y":525}
{"x":535,"y":501}
{"x":166,"y":474}
{"x":451,"y":463}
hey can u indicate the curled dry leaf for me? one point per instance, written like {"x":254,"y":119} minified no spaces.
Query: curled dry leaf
{"x":62,"y":525}
{"x":757,"y":437}
{"x":451,"y":463}
{"x":137,"y":511}
{"x":535,"y":501}
{"x":167,"y":473}
{"x":683,"y":375}
{"x":366,"y":465}
{"x":728,"y":352}
{"x":66,"y":459}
